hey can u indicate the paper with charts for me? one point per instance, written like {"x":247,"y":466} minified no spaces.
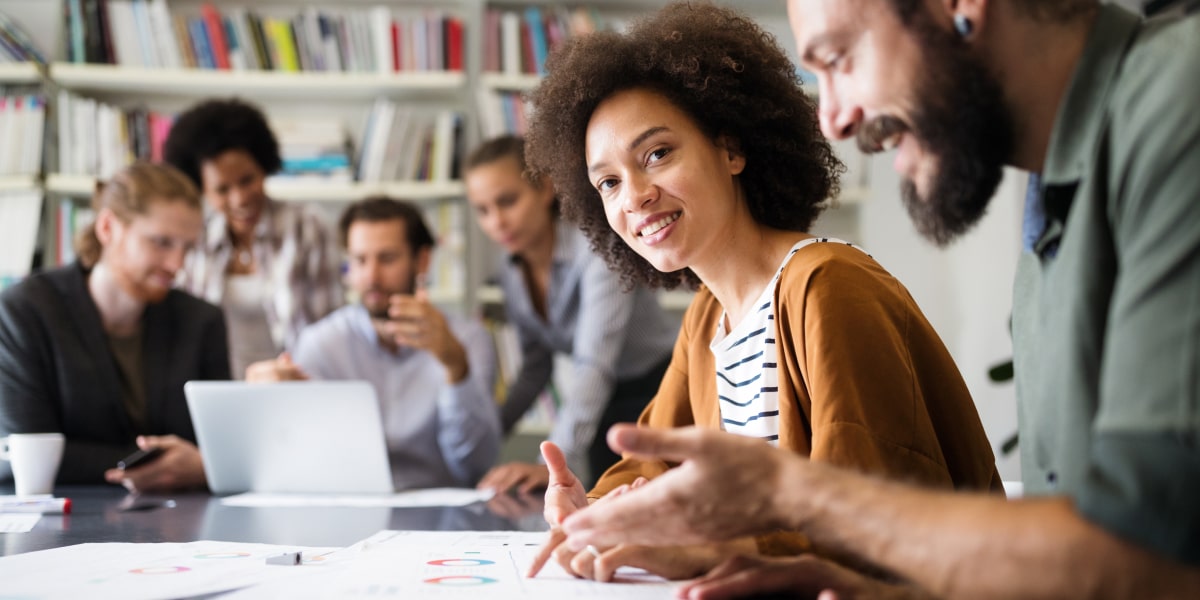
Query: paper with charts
{"x":148,"y":571}
{"x":435,"y":564}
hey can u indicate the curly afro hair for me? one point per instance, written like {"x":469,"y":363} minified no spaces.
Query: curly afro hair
{"x":729,"y":76}
{"x":213,"y":127}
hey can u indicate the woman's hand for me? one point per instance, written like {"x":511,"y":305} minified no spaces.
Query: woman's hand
{"x":670,"y":562}
{"x":564,"y":495}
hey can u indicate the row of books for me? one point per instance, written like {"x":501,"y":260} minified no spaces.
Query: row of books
{"x":313,"y":148}
{"x":145,"y":33}
{"x":22,"y":123}
{"x":401,"y":143}
{"x":15,"y":44}
{"x":97,"y":139}
{"x":519,"y":42}
{"x":502,"y":113}
{"x":20,"y":213}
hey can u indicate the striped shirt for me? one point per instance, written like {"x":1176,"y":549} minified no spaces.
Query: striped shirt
{"x":747,"y":367}
{"x":611,"y":335}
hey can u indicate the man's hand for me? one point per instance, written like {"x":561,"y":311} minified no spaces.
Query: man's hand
{"x":723,"y":489}
{"x":179,"y":467}
{"x":416,"y":323}
{"x":279,"y":369}
{"x":802,"y":577}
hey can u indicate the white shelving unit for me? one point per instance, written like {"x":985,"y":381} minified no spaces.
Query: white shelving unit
{"x":347,"y":94}
{"x":19,"y":183}
{"x":18,"y":73}
{"x":91,"y":79}
{"x":81,"y":186}
{"x":509,"y":83}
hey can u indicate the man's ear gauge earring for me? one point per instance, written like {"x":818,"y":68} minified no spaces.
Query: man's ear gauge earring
{"x":963,"y":25}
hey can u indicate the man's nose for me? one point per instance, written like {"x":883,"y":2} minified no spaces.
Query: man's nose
{"x":839,"y":117}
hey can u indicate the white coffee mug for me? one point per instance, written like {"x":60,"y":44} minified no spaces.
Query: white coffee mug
{"x":35,"y":458}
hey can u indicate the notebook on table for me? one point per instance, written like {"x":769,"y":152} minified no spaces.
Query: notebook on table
{"x":291,"y":437}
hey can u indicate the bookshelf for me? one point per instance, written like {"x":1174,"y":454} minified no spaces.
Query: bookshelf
{"x":81,"y":186}
{"x":19,"y":183}
{"x":295,"y":59}
{"x":509,"y":82}
{"x":347,"y":94}
{"x":114,"y":79}
{"x":20,"y":73}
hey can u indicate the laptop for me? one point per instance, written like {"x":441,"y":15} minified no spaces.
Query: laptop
{"x":290,"y":437}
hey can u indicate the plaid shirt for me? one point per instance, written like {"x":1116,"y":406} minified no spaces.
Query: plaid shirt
{"x":294,"y":250}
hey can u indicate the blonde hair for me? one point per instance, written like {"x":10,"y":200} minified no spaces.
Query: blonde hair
{"x":129,"y":193}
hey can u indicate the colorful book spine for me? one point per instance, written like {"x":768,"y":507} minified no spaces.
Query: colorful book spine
{"x":281,"y":36}
{"x":197,"y":31}
{"x":219,"y":47}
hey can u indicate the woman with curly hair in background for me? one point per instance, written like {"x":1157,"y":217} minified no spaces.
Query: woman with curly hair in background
{"x":273,"y":267}
{"x":688,"y":153}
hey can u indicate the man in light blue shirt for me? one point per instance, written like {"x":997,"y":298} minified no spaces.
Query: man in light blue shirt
{"x":433,"y":372}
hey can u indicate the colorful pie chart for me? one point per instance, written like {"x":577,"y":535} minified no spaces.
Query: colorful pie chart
{"x":460,"y":562}
{"x":460,"y":580}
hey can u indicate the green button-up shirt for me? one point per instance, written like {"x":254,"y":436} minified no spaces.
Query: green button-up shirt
{"x":1106,"y":315}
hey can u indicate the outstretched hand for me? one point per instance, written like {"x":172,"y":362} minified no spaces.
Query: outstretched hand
{"x":564,"y":495}
{"x":682,"y":506}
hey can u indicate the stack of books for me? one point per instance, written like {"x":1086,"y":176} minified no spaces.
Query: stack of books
{"x":314,"y":149}
{"x":517,"y":43}
{"x":97,"y":139}
{"x":22,"y":125}
{"x":407,"y":144}
{"x":20,"y":213}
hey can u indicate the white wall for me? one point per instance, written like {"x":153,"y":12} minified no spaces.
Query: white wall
{"x":965,"y":290}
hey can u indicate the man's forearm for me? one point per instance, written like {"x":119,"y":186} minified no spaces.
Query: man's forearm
{"x":969,"y":545}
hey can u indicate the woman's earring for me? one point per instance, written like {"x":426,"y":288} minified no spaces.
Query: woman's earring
{"x":963,"y":25}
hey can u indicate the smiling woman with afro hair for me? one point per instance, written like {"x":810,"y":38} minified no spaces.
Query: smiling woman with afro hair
{"x":730,"y":76}
{"x":273,"y":266}
{"x":688,"y":153}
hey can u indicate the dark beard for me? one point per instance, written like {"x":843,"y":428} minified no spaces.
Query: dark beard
{"x":961,"y":119}
{"x":381,"y":314}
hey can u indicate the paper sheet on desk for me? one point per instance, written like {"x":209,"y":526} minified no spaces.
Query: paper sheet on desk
{"x":18,"y":522}
{"x":452,"y":564}
{"x":149,"y":571}
{"x":408,"y":499}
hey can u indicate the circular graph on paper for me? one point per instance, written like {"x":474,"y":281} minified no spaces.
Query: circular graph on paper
{"x":460,"y":580}
{"x":159,"y":570}
{"x":460,"y":562}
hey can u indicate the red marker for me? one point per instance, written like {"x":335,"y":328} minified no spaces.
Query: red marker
{"x":46,"y":506}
